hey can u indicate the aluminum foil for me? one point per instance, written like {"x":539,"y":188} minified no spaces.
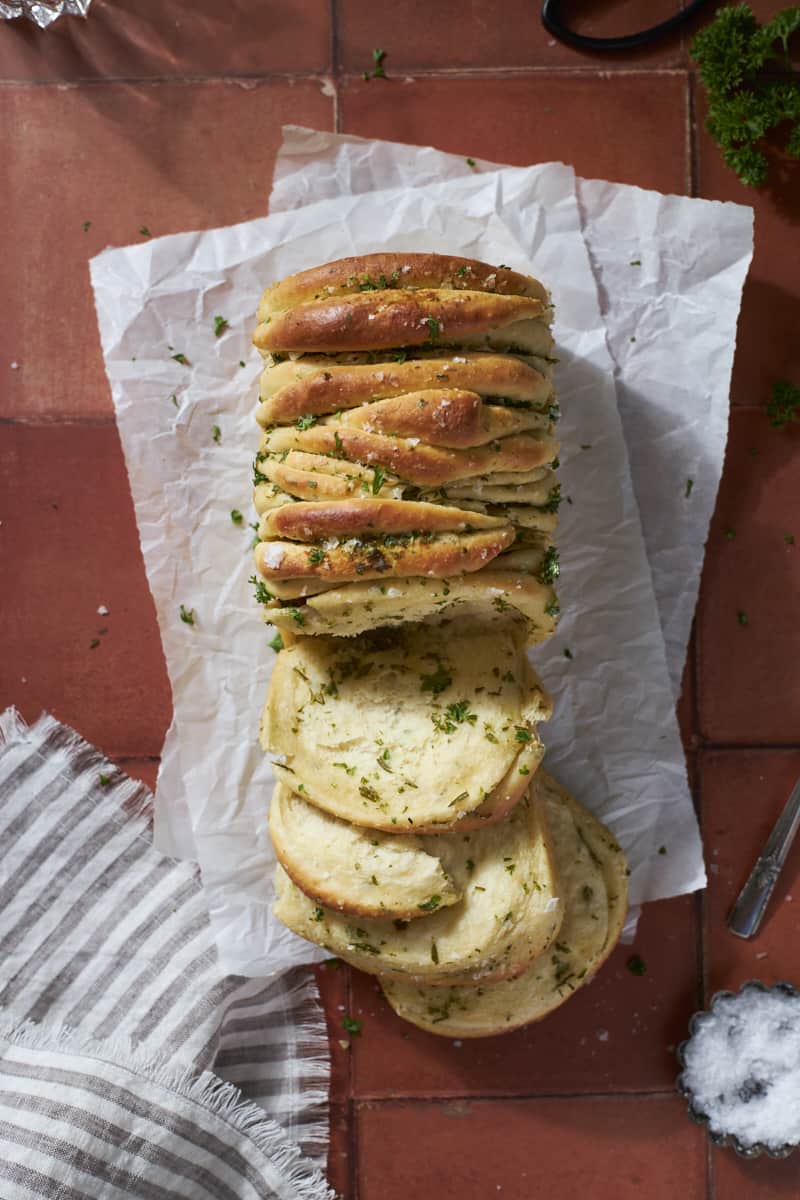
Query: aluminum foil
{"x":42,"y":14}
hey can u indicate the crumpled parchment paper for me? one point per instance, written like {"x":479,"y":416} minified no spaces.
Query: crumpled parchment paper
{"x":613,"y":739}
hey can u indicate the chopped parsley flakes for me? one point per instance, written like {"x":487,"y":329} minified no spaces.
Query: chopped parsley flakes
{"x":220,"y":325}
{"x":187,"y":615}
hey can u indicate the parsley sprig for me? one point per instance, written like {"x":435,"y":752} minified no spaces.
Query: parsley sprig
{"x":747,"y":98}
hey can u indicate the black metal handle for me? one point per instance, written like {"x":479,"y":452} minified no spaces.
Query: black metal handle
{"x":553,"y":23}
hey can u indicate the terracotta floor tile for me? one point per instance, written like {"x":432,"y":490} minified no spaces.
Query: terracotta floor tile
{"x":68,"y":544}
{"x":616,"y":1035}
{"x":145,"y":769}
{"x":749,"y":689}
{"x":146,"y":39}
{"x":503,"y":33}
{"x":761,"y":1179}
{"x":770,"y":316}
{"x":538,"y":118}
{"x":743,"y":793}
{"x":169,"y":157}
{"x":333,"y":980}
{"x":623,"y":1149}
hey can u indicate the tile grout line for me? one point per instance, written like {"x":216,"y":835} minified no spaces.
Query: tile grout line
{"x":333,"y":10}
{"x":503,"y":72}
{"x":431,"y":1098}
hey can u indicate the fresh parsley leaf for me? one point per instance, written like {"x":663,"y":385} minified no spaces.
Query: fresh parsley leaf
{"x":276,"y":643}
{"x":261,"y":594}
{"x":378,"y":477}
{"x":784,"y":406}
{"x":181,"y":358}
{"x":688,"y":489}
{"x":567,"y":652}
{"x":144,"y":231}
{"x":86,"y":226}
{"x":104,"y":780}
{"x":94,"y":643}
{"x":635,"y":262}
{"x":523,"y":735}
{"x":433,"y":328}
{"x":788,"y":539}
{"x":220,"y":325}
{"x":747,"y":99}
{"x":550,"y":569}
{"x":636,"y":965}
{"x":730,"y":534}
{"x":351,"y":1026}
{"x":377,"y":71}
{"x":236,"y":516}
{"x":437,"y":681}
{"x":431,"y":904}
{"x":742,"y":618}
{"x":471,"y":163}
{"x":187,"y":615}
{"x":305,"y":422}
{"x":216,"y":434}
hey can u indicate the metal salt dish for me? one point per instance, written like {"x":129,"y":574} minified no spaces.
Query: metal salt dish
{"x":697,"y":1115}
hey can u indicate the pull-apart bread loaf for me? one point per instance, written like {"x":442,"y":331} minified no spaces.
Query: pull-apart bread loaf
{"x":593,"y":885}
{"x":507,"y":911}
{"x":406,"y":463}
{"x":407,"y":730}
{"x":406,"y":495}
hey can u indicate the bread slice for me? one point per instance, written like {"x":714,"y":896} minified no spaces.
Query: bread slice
{"x":508,"y":914}
{"x":495,"y":594}
{"x":593,"y":886}
{"x":299,"y":388}
{"x":354,"y":870}
{"x":404,"y":729}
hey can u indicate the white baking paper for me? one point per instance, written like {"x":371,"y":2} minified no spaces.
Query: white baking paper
{"x":670,"y":322}
{"x":613,"y":739}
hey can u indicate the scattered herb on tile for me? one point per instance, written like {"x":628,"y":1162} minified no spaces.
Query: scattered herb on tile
{"x":187,"y":615}
{"x":730,"y":534}
{"x":747,"y":72}
{"x":788,"y":539}
{"x":86,"y":226}
{"x":220,"y":325}
{"x":216,"y":434}
{"x":94,"y":643}
{"x":351,"y":1025}
{"x":688,"y":490}
{"x":377,"y":71}
{"x":784,"y":405}
{"x":636,"y":965}
{"x":742,"y":618}
{"x":144,"y":231}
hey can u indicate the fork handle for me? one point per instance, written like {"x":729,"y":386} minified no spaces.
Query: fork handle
{"x":748,"y":911}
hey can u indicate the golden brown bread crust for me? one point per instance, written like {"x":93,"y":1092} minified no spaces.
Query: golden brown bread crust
{"x":317,"y":477}
{"x":380,"y":271}
{"x":441,"y":417}
{"x":425,"y":466}
{"x":295,"y":389}
{"x":437,"y":557}
{"x":351,"y":518}
{"x":385,"y":319}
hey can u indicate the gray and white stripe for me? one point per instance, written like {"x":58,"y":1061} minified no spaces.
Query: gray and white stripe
{"x":103,"y":935}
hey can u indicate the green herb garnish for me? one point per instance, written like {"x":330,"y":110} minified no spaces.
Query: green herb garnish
{"x":550,"y":569}
{"x":187,"y":615}
{"x":180,"y":358}
{"x":220,"y":325}
{"x":351,"y":1026}
{"x":104,"y":780}
{"x":431,"y":904}
{"x":86,"y":226}
{"x":378,"y":478}
{"x":747,"y":72}
{"x":688,"y":490}
{"x":471,"y":163}
{"x":433,"y":328}
{"x":236,"y":516}
{"x":438,"y":681}
{"x":636,"y":965}
{"x":144,"y":231}
{"x":216,"y":434}
{"x":784,"y":405}
{"x":742,"y":617}
{"x":305,"y":422}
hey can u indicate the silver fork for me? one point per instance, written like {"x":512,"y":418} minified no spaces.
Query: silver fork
{"x":746,"y":914}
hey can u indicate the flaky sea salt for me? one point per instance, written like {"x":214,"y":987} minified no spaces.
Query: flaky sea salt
{"x":742,"y":1067}
{"x":273,"y":556}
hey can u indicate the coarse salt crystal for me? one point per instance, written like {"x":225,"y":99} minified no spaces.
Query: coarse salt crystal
{"x":379,"y":376}
{"x":273,"y":556}
{"x":15,"y":366}
{"x":102,"y":610}
{"x":742,"y":1067}
{"x":413,"y":441}
{"x":459,"y":360}
{"x":552,"y":904}
{"x":602,"y":1035}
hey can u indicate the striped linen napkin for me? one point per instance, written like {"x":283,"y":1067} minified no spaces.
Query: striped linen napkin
{"x":114,"y":1012}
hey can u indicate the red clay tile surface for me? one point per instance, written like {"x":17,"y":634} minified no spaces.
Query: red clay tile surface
{"x":163,"y":156}
{"x":167,"y":115}
{"x":521,"y":1149}
{"x":618,"y":126}
{"x":148,"y":39}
